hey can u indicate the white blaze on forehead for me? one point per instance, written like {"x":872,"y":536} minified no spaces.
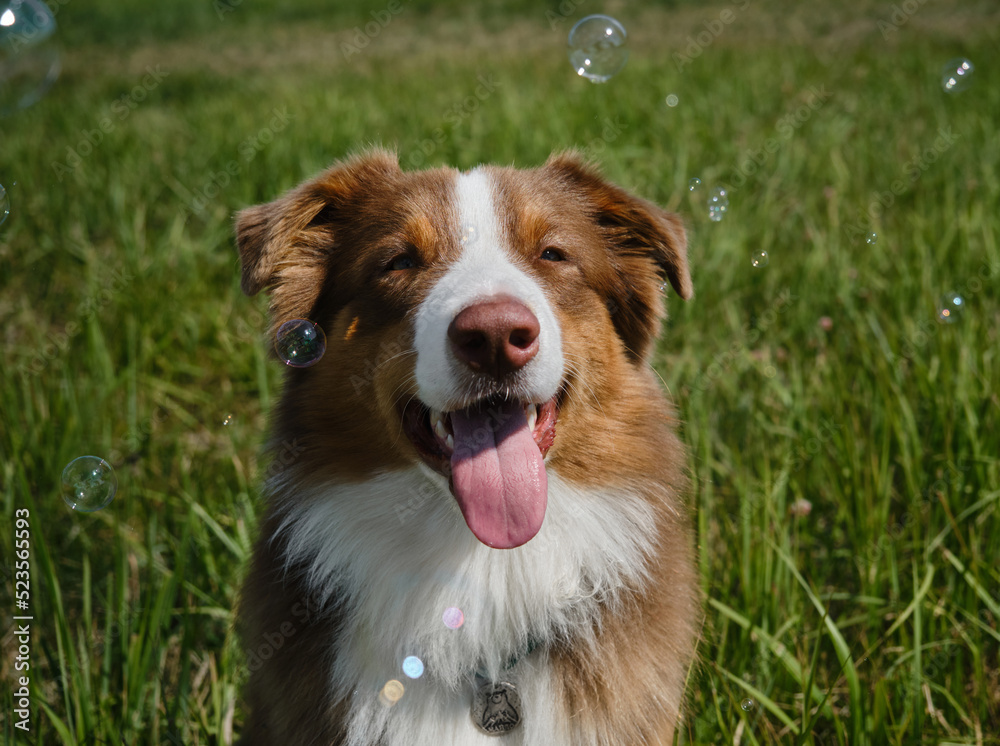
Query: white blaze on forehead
{"x":484,"y":269}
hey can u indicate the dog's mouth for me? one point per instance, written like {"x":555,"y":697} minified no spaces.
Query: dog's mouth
{"x":492,"y":453}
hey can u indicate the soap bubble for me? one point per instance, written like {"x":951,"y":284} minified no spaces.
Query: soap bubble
{"x":747,"y":705}
{"x":29,"y":58}
{"x":597,"y":48}
{"x":88,"y":484}
{"x":871,"y":238}
{"x":672,"y":100}
{"x":694,"y":184}
{"x":229,"y":418}
{"x":718,"y":203}
{"x":759,"y":259}
{"x":391,"y":693}
{"x":4,"y":204}
{"x":300,"y":343}
{"x":957,"y":75}
{"x":453,"y":617}
{"x":950,"y":308}
{"x":413,"y":667}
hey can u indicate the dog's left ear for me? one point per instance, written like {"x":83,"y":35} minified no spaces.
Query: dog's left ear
{"x":647,"y":245}
{"x":286,"y":246}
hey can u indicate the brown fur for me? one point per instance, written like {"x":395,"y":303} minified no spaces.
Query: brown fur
{"x":318,"y":249}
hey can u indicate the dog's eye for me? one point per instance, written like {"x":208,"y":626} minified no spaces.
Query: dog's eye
{"x":553,"y":255}
{"x":401,"y":262}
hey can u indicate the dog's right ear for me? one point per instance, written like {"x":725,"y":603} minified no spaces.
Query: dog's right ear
{"x":285,"y":245}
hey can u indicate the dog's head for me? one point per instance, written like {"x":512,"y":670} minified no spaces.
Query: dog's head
{"x":469,"y":316}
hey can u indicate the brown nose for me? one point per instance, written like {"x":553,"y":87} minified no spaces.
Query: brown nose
{"x":495,"y":337}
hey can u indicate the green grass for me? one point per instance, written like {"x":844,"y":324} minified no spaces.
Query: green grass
{"x":873,"y":619}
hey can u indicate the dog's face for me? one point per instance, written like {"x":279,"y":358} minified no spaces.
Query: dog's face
{"x":479,"y":324}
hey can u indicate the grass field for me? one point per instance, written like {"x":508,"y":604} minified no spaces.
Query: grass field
{"x":870,"y":614}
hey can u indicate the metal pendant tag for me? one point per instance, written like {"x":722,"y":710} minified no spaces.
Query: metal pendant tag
{"x":496,"y":708}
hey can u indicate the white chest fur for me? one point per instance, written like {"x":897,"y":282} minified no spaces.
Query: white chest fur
{"x":398,"y":553}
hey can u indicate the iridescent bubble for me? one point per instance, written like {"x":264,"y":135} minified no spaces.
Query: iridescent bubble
{"x":453,"y":617}
{"x":229,"y":418}
{"x":300,"y":343}
{"x":950,"y":308}
{"x":4,"y":204}
{"x":747,"y":705}
{"x":597,"y":48}
{"x":759,"y":259}
{"x":469,"y":234}
{"x":957,"y":75}
{"x":413,"y":667}
{"x":88,"y":484}
{"x":718,"y":203}
{"x":391,"y":693}
{"x":29,"y":57}
{"x":694,"y":184}
{"x":871,"y":238}
{"x":672,"y":100}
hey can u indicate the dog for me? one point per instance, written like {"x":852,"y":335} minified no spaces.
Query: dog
{"x":482,"y":535}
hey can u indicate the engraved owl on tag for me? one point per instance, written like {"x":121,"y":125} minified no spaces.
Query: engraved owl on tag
{"x":496,"y":708}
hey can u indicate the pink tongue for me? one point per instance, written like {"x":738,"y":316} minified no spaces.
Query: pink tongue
{"x":497,"y":474}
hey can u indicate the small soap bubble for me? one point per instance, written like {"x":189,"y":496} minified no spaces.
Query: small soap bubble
{"x":300,"y":343}
{"x":229,"y":418}
{"x":718,"y":203}
{"x":413,"y":667}
{"x":957,"y":75}
{"x":759,"y":259}
{"x":694,"y":184}
{"x":950,"y":308}
{"x":747,"y":705}
{"x":4,"y":204}
{"x":597,"y":48}
{"x":871,"y":238}
{"x":672,"y":100}
{"x":453,"y":617}
{"x":29,"y":57}
{"x":88,"y":484}
{"x":391,"y":693}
